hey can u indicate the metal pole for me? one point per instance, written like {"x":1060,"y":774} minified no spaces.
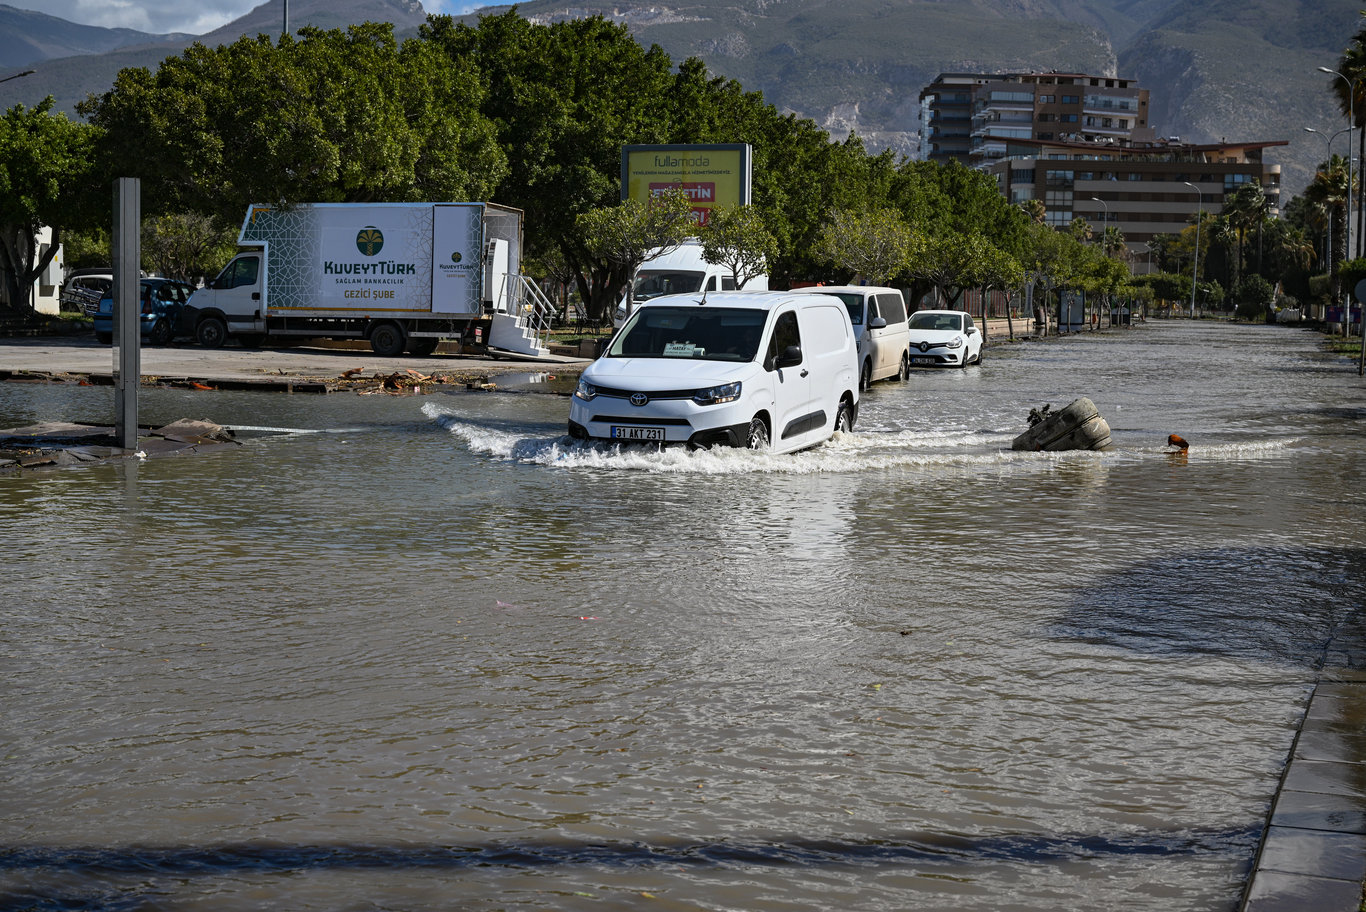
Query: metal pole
{"x":127,"y":309}
{"x":1199,"y":217}
{"x":1351,"y":119}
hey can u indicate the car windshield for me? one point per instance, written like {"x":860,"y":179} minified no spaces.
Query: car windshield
{"x":651,"y":283}
{"x":710,"y":333}
{"x":940,"y":321}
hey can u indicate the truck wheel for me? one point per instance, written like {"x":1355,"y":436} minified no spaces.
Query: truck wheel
{"x":387,"y":340}
{"x":251,"y":340}
{"x":161,"y":332}
{"x":421,"y":348}
{"x":104,"y":338}
{"x":211,"y":332}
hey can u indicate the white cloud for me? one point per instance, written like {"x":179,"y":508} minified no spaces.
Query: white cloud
{"x":155,"y":16}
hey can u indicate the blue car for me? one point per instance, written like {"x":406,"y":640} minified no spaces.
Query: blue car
{"x":162,"y":302}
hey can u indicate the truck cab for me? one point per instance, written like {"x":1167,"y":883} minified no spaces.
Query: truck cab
{"x":230,"y":303}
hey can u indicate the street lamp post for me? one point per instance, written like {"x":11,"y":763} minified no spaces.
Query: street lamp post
{"x":1328,"y":156}
{"x":1199,"y":217}
{"x":1104,"y":224}
{"x":1351,"y":118}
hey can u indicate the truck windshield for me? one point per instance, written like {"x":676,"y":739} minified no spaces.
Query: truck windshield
{"x":651,"y":283}
{"x":705,"y":333}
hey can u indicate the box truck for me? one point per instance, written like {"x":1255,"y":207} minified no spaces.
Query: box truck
{"x":402,"y":276}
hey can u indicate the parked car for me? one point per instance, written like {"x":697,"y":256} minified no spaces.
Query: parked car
{"x":878,"y":316}
{"x":84,"y":288}
{"x":162,"y":303}
{"x":944,"y":338}
{"x":765,"y":370}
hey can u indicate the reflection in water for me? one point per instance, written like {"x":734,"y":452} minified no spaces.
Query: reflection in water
{"x":442,"y":650}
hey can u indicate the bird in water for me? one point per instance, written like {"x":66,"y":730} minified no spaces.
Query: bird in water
{"x":1178,"y":441}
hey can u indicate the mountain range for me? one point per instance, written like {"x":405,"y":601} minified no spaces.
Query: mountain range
{"x":1241,"y":70}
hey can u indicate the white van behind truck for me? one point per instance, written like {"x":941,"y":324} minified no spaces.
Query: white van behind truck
{"x":878,"y":315}
{"x":765,"y":370}
{"x":683,"y":271}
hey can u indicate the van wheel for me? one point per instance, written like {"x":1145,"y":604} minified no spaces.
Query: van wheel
{"x":844,"y":418}
{"x":251,"y":340}
{"x":905,"y":373}
{"x":161,"y":332}
{"x":211,"y":332}
{"x":981,"y":354}
{"x":865,"y":376}
{"x":104,"y":338}
{"x":757,"y":439}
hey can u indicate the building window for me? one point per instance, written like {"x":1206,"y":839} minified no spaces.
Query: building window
{"x":1045,"y":118}
{"x":1046,"y":99}
{"x":1068,"y":118}
{"x":1070,"y":99}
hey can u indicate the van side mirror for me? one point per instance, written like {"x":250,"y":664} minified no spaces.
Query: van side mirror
{"x":791,"y":357}
{"x":877,"y":323}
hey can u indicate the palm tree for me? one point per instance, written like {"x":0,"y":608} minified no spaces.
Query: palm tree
{"x":1247,"y":208}
{"x":1352,"y":65}
{"x":1329,"y":190}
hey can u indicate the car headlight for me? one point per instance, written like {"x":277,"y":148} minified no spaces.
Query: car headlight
{"x":585,"y":391}
{"x":716,"y":395}
{"x":956,"y":342}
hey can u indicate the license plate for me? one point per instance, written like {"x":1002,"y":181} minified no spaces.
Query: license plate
{"x":924,"y":360}
{"x":625,"y":432}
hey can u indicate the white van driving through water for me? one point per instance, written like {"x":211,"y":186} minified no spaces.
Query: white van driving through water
{"x":765,"y":370}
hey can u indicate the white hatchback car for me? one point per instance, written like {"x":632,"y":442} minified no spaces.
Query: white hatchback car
{"x":758,"y":369}
{"x":946,"y":338}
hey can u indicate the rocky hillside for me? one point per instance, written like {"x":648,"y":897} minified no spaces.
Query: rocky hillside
{"x":1234,"y":69}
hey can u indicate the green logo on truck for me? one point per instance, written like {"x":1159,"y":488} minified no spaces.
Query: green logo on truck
{"x":370,"y":241}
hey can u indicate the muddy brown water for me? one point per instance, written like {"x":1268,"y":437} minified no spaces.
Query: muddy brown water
{"x":427,"y":653}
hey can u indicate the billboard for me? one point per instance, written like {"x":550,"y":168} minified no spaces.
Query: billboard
{"x":719,"y":174}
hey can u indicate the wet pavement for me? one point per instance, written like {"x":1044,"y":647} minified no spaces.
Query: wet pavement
{"x":1313,"y":854}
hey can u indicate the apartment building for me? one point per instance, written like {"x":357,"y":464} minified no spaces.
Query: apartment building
{"x":1143,"y":188}
{"x":971,"y":117}
{"x":1084,"y":146}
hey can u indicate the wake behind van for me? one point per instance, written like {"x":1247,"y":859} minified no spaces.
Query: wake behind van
{"x":765,"y":370}
{"x":879,"y":319}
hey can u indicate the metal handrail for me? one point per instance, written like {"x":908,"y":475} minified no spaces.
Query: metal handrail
{"x":532,"y":308}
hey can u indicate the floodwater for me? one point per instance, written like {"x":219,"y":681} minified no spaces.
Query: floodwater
{"x":432,"y":655}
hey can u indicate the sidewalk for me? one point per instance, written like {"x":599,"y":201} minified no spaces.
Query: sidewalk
{"x":1313,"y":853}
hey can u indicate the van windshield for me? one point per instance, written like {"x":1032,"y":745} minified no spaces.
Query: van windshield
{"x":651,"y":283}
{"x":853,"y":302}
{"x":705,"y":333}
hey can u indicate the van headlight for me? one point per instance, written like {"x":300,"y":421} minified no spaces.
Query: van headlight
{"x":716,"y":395}
{"x":585,"y":391}
{"x":956,"y":342}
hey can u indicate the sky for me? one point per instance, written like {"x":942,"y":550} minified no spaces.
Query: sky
{"x":163,"y":16}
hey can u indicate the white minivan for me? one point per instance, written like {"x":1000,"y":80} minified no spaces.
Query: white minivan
{"x":878,"y":315}
{"x":764,"y":370}
{"x":682,"y":271}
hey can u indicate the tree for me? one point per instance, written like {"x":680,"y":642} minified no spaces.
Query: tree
{"x":630,"y":234}
{"x":1329,"y":191}
{"x":1352,"y":65}
{"x":46,"y":178}
{"x":185,"y":246}
{"x":329,"y":116}
{"x":736,"y":238}
{"x":873,"y":245}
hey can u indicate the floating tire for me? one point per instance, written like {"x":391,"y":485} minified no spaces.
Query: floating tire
{"x":1078,"y":426}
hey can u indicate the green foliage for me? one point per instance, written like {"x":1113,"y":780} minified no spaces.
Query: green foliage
{"x":329,"y":116}
{"x":45,"y":179}
{"x":630,"y":234}
{"x":1252,"y":298}
{"x":185,"y":246}
{"x":875,"y":245}
{"x":736,"y":238}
